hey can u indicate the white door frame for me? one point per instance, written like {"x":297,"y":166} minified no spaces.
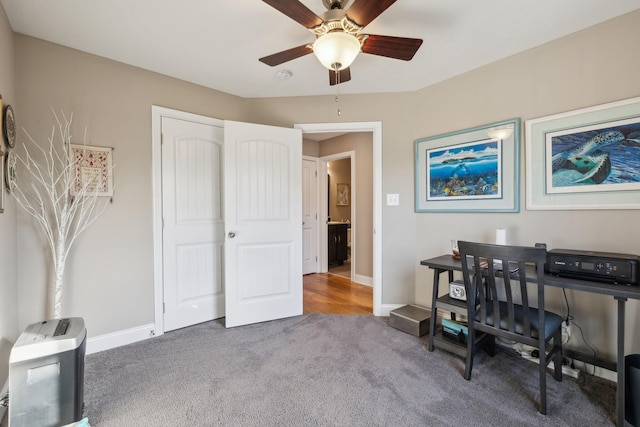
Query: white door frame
{"x":157,"y":113}
{"x":376,"y":129}
{"x":316,"y":228}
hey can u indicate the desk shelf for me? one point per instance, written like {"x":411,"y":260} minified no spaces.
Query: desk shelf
{"x":455,"y":307}
{"x":450,"y":304}
{"x":458,"y":348}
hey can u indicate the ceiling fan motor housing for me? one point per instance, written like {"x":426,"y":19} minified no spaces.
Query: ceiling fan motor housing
{"x":335,"y":4}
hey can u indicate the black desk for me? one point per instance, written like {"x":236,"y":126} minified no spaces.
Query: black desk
{"x":446,"y":263}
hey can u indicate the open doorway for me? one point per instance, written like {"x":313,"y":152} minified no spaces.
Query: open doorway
{"x":340,"y":213}
{"x":374,"y":129}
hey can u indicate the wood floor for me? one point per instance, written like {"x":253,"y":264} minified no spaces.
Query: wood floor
{"x":333,"y":294}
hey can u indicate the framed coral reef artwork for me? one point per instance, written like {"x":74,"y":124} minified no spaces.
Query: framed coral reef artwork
{"x":93,"y":169}
{"x":471,"y":170}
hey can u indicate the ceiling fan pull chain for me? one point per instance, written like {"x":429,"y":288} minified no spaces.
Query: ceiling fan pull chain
{"x":337,"y":89}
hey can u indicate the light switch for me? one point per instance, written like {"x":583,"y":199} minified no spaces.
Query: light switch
{"x":393,"y":200}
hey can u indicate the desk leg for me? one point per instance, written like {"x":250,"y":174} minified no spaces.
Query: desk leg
{"x":434,"y":310}
{"x":620,"y":366}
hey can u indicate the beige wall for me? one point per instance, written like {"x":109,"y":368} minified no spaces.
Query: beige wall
{"x":9,"y":329}
{"x":109,"y":276}
{"x":310,"y":148}
{"x":585,"y":69}
{"x":111,"y":272}
{"x":397,"y":112}
{"x":588,"y":68}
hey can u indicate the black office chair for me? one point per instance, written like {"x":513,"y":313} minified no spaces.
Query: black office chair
{"x":496,"y":300}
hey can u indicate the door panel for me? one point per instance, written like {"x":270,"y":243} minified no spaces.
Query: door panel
{"x":263,"y":213}
{"x":309,"y":216}
{"x":193,"y":233}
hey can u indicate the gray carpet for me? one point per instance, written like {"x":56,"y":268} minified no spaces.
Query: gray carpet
{"x":324,"y":370}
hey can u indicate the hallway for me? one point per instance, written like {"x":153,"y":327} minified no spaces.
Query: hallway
{"x":333,"y":294}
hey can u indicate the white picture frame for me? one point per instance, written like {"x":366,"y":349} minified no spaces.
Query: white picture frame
{"x":539,"y":195}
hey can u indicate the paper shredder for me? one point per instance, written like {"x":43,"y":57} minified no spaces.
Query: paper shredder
{"x":46,"y":374}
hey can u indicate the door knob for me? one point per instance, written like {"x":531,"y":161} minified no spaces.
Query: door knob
{"x":232,"y":234}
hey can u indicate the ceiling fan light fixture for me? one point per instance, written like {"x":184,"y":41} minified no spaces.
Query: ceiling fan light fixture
{"x":336,"y":50}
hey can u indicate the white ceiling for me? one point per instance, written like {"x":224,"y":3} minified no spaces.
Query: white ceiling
{"x":217,"y":43}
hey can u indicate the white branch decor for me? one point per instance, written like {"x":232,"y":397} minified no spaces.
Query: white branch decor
{"x":46,"y":196}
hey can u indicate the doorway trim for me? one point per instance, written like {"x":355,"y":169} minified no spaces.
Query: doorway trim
{"x":157,"y":113}
{"x":376,"y":129}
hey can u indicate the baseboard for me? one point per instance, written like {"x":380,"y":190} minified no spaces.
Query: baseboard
{"x":363,"y":280}
{"x":566,"y":370}
{"x":385,"y":309}
{"x":120,"y":338}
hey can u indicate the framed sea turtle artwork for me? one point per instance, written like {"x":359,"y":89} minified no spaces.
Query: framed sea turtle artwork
{"x":602,"y":157}
{"x":585,"y":159}
{"x":470,"y":170}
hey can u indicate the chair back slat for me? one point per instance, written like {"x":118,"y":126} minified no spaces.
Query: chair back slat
{"x":511,"y":322}
{"x":525,"y":298}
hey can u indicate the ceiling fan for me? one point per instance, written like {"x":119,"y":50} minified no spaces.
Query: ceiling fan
{"x":338,"y":35}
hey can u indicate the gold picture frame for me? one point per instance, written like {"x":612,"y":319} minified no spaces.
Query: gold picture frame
{"x":93,"y":168}
{"x":342,"y":194}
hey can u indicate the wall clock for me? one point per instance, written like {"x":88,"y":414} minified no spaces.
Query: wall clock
{"x":9,"y":126}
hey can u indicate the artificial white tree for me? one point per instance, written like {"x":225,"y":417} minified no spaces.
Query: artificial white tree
{"x":48,"y":191}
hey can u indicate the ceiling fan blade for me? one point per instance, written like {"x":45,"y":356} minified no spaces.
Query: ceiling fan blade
{"x":362,"y":12}
{"x":392,"y":47}
{"x":343,"y":76}
{"x":286,"y":55}
{"x":296,"y":11}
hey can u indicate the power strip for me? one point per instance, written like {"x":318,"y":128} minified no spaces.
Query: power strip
{"x":566,"y":370}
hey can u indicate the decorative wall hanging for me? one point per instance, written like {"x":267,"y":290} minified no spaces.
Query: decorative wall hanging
{"x":2,"y":153}
{"x":94,"y":168}
{"x":585,"y":159}
{"x":10,"y":171}
{"x":472,"y":170}
{"x":342,"y":198}
{"x":9,"y":126}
